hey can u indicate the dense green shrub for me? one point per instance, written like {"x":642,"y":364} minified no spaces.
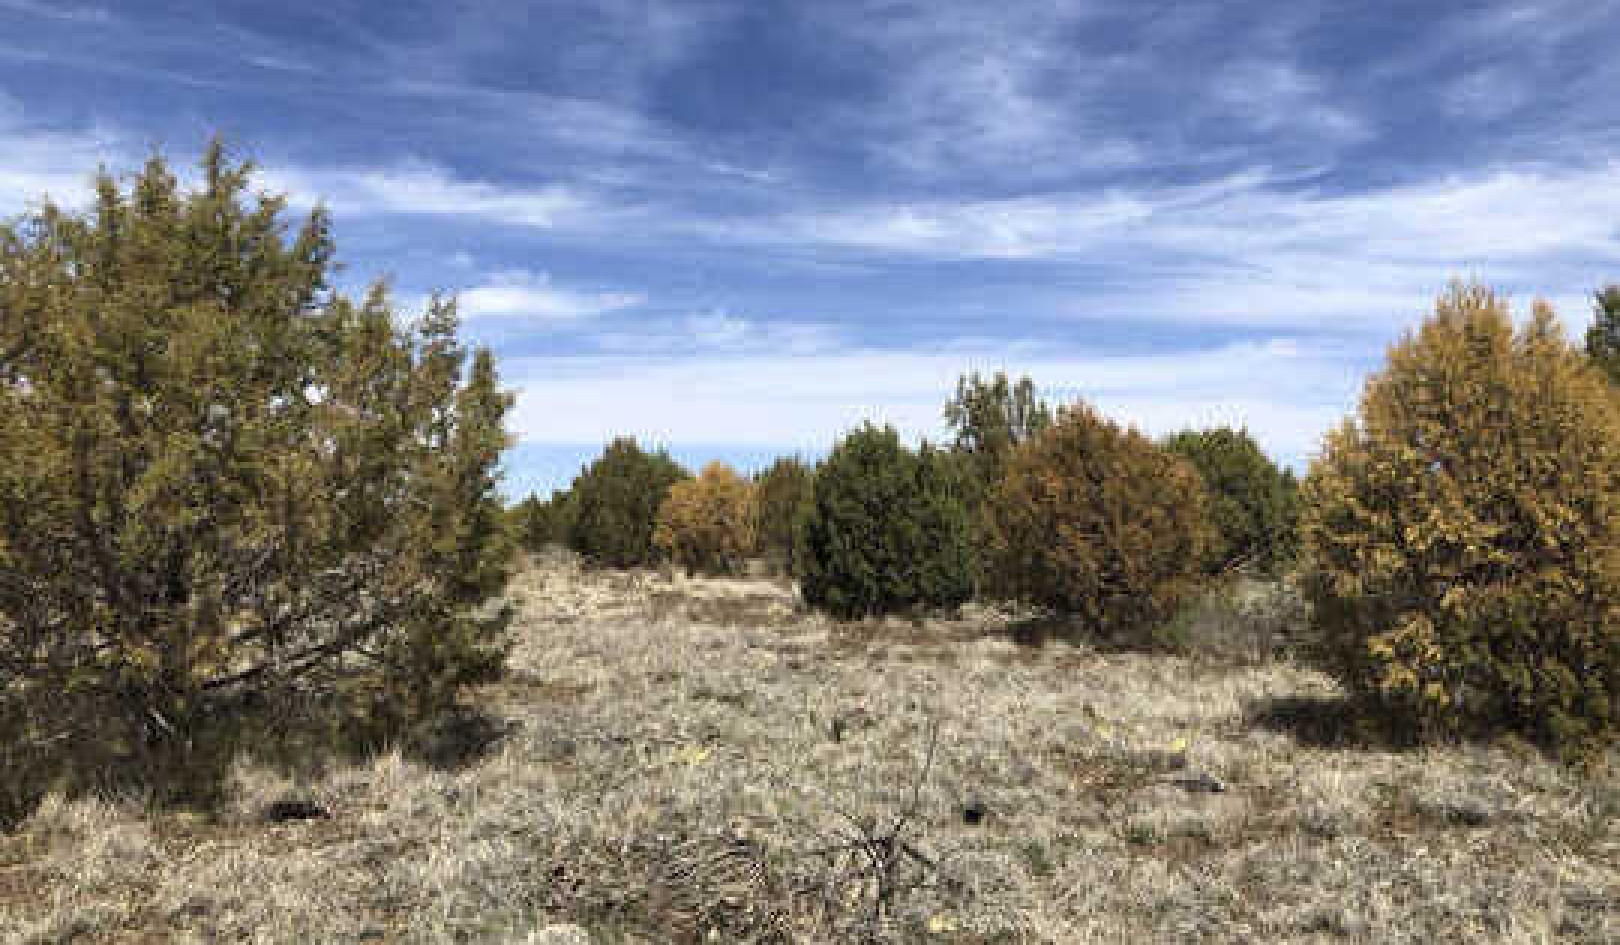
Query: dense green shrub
{"x":615,"y":504}
{"x":988,"y":419}
{"x":1253,"y":505}
{"x":537,"y":523}
{"x":1461,"y":530}
{"x":785,"y":490}
{"x":1603,"y":337}
{"x":885,"y":530}
{"x":1097,"y":522}
{"x":221,"y":480}
{"x":707,"y":525}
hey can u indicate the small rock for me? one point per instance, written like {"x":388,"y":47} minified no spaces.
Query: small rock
{"x":562,"y":934}
{"x":973,"y":812}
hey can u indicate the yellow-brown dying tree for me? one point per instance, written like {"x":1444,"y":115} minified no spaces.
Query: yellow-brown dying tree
{"x":1463,"y":529}
{"x":708,"y":525}
{"x":1098,"y":522}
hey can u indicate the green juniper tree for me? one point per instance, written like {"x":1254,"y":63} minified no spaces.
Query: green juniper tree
{"x":615,"y":503}
{"x":1254,"y":505}
{"x":784,"y":491}
{"x":536,"y":522}
{"x":220,"y":479}
{"x":991,"y":417}
{"x":885,"y":530}
{"x":1603,"y":338}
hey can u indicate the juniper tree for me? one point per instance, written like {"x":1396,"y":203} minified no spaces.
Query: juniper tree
{"x":991,"y":417}
{"x":220,"y":477}
{"x":615,"y":504}
{"x":885,"y":529}
{"x":784,"y":491}
{"x":1461,"y":529}
{"x":1095,"y":520}
{"x":1603,"y":337}
{"x":1254,"y":505}
{"x":707,"y":525}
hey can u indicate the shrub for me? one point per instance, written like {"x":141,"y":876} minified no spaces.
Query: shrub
{"x":707,"y":525}
{"x":536,"y":523}
{"x":784,"y":490}
{"x":1096,"y":521}
{"x":989,"y":419}
{"x":1253,"y":505}
{"x":615,"y":503}
{"x":885,"y":530}
{"x":219,"y":478}
{"x":1603,"y":337}
{"x":1461,"y":529}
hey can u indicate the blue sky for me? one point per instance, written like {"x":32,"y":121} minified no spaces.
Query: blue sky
{"x":739,"y":228}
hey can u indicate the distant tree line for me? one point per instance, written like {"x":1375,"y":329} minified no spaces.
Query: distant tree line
{"x":1456,"y":540}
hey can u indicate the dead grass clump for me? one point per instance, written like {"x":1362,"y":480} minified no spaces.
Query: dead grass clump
{"x":1243,"y":619}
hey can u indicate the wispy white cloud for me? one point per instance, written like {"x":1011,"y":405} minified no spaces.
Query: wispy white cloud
{"x":38,"y":163}
{"x":1509,"y":213}
{"x":421,"y":188}
{"x":281,"y":63}
{"x":1277,"y":95}
{"x":717,"y":332}
{"x":979,"y":88}
{"x":1251,"y":249}
{"x":76,"y":13}
{"x":532,"y":299}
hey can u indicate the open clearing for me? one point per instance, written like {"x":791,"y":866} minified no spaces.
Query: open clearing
{"x":697,"y":759}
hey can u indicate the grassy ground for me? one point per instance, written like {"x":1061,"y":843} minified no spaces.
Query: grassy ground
{"x":698,"y":761}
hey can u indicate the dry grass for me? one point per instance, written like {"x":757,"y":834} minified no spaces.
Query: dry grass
{"x":681,"y":750}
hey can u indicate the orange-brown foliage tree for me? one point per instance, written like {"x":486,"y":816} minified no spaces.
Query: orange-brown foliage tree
{"x":708,"y":525}
{"x":1463,"y":530}
{"x":1097,"y":521}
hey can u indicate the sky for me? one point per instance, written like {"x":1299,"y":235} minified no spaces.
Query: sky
{"x":739,"y":228}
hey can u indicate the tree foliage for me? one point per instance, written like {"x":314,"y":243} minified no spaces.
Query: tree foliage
{"x":990,"y":418}
{"x":1098,"y":522}
{"x":785,"y":491}
{"x":1603,"y":337}
{"x":1462,"y":528}
{"x":885,"y":531}
{"x":708,"y":525}
{"x":536,"y":523}
{"x":1253,"y":505}
{"x":615,"y":504}
{"x":220,"y":478}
